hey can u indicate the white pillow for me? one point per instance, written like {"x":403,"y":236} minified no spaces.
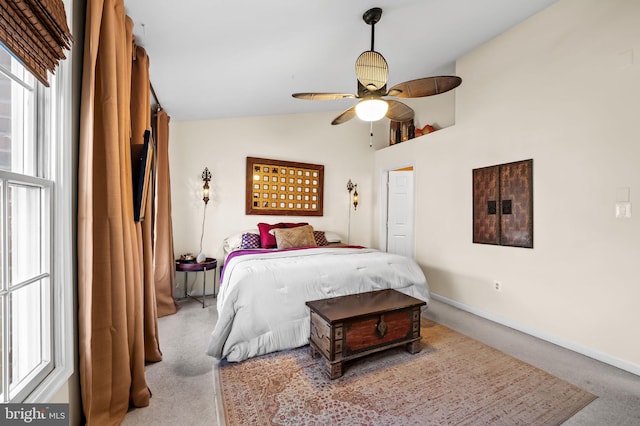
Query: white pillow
{"x":233,"y":242}
{"x":332,"y":237}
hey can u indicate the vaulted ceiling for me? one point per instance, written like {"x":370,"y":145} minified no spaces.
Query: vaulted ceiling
{"x":215,"y":59}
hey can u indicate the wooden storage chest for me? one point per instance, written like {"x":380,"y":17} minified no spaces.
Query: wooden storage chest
{"x":349,"y":327}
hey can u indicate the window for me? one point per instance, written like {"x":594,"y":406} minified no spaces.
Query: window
{"x":35,"y":285}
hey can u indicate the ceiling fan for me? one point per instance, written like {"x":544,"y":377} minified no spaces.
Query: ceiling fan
{"x":372,"y":72}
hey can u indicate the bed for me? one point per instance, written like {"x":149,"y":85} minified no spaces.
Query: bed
{"x":261,"y":302}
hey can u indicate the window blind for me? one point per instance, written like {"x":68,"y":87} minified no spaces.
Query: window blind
{"x":36,"y":32}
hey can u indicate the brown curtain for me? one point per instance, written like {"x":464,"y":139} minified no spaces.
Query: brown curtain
{"x":112,"y":297}
{"x":140,"y":122}
{"x":165,"y":266}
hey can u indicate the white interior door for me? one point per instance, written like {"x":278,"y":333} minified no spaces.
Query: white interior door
{"x":400,"y":226}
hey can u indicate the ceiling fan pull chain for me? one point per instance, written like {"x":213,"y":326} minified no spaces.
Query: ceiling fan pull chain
{"x":370,"y":134}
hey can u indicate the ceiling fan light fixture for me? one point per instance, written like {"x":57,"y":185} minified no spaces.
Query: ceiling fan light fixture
{"x":372,"y":72}
{"x":371,"y":109}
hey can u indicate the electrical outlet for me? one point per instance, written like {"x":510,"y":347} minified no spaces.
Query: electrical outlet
{"x":497,"y":286}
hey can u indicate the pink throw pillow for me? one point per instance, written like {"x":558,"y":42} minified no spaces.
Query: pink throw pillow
{"x":266,"y":239}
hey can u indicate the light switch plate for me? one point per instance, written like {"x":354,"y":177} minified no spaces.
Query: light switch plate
{"x":623,"y":210}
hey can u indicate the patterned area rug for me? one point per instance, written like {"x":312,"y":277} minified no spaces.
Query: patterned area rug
{"x":454,"y":380}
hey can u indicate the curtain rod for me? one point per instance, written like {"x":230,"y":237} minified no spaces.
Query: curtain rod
{"x":153,"y":92}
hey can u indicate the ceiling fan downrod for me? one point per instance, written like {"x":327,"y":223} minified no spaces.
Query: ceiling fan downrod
{"x":371,"y":17}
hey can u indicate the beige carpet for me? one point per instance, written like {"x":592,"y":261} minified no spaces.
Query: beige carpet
{"x":454,"y":380}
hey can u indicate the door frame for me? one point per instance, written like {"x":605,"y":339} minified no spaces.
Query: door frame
{"x":384,"y":202}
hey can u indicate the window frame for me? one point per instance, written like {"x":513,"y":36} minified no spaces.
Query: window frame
{"x":54,"y":163}
{"x":26,"y":385}
{"x":60,"y":155}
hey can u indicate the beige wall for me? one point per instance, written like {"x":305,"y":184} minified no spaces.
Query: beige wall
{"x":562,"y":88}
{"x":223,"y":145}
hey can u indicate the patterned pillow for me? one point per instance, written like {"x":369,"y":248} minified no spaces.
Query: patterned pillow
{"x":250,"y":241}
{"x":320,"y":238}
{"x":301,"y":236}
{"x":234,"y":241}
{"x":294,"y":225}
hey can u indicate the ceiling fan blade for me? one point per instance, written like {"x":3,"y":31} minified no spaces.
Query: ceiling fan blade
{"x":345,"y":116}
{"x":323,"y":96}
{"x":399,"y":111}
{"x":425,"y":86}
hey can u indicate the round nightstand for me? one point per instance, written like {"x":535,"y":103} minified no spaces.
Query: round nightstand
{"x":192,"y":266}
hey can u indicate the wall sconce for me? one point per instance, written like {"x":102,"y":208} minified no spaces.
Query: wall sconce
{"x":351,"y":187}
{"x":355,"y":197}
{"x":206,"y":177}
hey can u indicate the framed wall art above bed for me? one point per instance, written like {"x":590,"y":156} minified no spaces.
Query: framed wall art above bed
{"x":276,"y":187}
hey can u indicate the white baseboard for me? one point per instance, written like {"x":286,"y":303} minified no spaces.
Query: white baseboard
{"x":607,"y":359}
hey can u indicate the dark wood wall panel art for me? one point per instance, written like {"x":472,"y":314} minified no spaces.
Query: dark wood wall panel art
{"x":503,"y":204}
{"x":485,"y":196}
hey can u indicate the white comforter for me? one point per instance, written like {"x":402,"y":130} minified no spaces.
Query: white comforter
{"x":261,"y":304}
